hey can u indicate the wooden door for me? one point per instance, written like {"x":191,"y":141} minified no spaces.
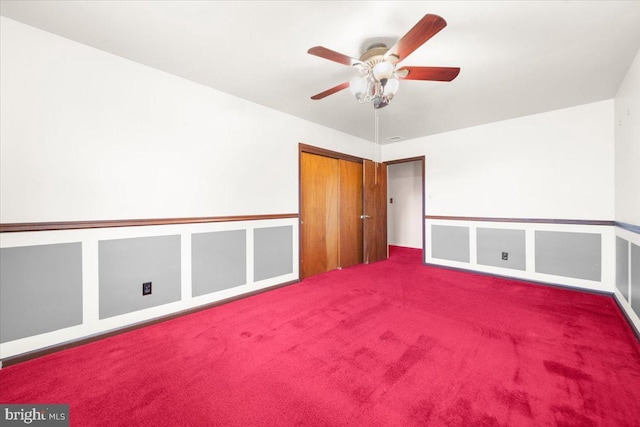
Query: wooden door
{"x":351,"y":243}
{"x":375,"y":211}
{"x":319,"y":186}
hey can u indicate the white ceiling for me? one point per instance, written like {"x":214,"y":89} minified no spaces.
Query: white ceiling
{"x":517,"y":57}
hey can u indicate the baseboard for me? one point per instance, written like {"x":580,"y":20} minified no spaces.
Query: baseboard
{"x":13,"y":360}
{"x":519,"y":279}
{"x":632,"y":318}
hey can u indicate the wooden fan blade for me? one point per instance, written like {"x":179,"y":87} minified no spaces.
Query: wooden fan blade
{"x":331,"y":91}
{"x":332,"y":55}
{"x":439,"y":74}
{"x":426,"y":28}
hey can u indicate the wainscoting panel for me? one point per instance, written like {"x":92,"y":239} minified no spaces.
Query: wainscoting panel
{"x":492,"y":242}
{"x":62,"y":284}
{"x":567,"y":254}
{"x":622,"y":266}
{"x":594,"y":255}
{"x":570,"y":253}
{"x":635,"y":278}
{"x":65,"y":282}
{"x":627,"y":280}
{"x":40,"y":288}
{"x":273,"y":252}
{"x":450,"y":243}
{"x":218,"y":261}
{"x":125,"y":264}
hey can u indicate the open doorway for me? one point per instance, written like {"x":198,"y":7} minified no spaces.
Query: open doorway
{"x":405,"y":202}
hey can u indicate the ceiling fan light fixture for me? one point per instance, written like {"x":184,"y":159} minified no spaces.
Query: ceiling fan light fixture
{"x":378,"y":81}
{"x":391,"y":87}
{"x":358,"y":86}
{"x":383,"y":70}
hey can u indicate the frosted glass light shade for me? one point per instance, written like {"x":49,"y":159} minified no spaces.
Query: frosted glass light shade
{"x":391,"y":87}
{"x":383,"y":70}
{"x":358,"y":85}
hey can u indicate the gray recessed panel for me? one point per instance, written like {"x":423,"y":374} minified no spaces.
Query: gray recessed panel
{"x":450,"y":242}
{"x":125,"y":264}
{"x":635,"y":278}
{"x":218,"y":261}
{"x":40,"y":289}
{"x":622,"y":267}
{"x":272,"y":252}
{"x":568,"y":254}
{"x":492,"y":242}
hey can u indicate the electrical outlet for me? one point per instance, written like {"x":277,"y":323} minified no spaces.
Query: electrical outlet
{"x":146,"y":288}
{"x":505,"y":256}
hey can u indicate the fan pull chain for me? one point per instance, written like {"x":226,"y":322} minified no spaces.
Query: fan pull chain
{"x":376,"y":157}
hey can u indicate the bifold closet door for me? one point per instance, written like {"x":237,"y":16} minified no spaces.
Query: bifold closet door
{"x":351,"y":243}
{"x":330,"y":214}
{"x":319,"y":186}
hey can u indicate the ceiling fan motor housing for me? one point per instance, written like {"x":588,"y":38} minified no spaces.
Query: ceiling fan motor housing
{"x":374,"y":55}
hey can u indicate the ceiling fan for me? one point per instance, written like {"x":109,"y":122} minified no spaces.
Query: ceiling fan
{"x":378,"y":80}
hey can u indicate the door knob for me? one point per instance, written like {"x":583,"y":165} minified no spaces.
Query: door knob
{"x":365,"y":217}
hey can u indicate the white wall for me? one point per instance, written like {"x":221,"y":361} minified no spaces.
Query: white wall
{"x":557,"y":164}
{"x":404,"y":215}
{"x":554,"y":165}
{"x":87,"y":135}
{"x":627,"y":147}
{"x":627,"y":170}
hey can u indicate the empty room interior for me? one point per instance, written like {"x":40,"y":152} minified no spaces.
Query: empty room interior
{"x":322,"y":213}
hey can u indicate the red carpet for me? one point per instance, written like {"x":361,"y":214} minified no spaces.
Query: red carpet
{"x":389,"y":344}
